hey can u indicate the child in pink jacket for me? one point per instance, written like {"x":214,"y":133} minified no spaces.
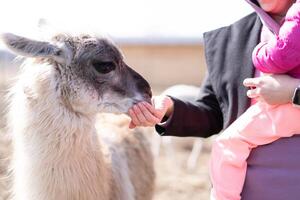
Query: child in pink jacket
{"x":261,"y":123}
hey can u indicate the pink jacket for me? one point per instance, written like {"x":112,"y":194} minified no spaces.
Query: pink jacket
{"x":282,"y":53}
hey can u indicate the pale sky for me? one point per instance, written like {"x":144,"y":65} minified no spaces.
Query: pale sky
{"x":123,"y":18}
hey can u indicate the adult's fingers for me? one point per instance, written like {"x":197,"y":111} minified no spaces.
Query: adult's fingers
{"x":132,"y":125}
{"x":140,"y":116}
{"x":134,"y":118}
{"x":158,"y":102}
{"x":152,"y":119}
{"x":152,"y":110}
{"x":252,"y":82}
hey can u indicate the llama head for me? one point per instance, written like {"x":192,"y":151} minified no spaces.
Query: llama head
{"x":89,"y":72}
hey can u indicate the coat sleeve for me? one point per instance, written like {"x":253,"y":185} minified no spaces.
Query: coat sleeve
{"x":281,"y":53}
{"x":201,"y":118}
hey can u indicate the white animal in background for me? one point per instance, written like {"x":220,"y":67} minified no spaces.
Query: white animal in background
{"x":188,"y":93}
{"x":58,"y":154}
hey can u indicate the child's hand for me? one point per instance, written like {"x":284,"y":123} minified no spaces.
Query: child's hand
{"x":273,"y":89}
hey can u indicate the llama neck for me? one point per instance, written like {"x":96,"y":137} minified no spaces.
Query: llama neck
{"x":58,"y":149}
{"x":45,"y":118}
{"x":37,"y":109}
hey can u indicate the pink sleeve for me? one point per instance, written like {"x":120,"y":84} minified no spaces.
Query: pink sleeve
{"x":282,"y":53}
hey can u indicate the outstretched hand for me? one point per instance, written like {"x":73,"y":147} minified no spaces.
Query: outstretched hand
{"x":145,"y":114}
{"x":273,"y":89}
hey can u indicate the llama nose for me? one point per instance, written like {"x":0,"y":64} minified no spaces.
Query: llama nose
{"x":141,"y":84}
{"x":145,"y":88}
{"x":147,"y":95}
{"x":148,"y":92}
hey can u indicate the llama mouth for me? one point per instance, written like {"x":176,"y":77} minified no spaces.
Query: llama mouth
{"x":136,"y":101}
{"x":147,"y":99}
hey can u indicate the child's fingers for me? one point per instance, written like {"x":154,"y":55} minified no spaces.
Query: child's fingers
{"x":254,"y":93}
{"x":252,"y":82}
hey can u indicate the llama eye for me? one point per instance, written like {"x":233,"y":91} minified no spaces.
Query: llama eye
{"x":104,"y":67}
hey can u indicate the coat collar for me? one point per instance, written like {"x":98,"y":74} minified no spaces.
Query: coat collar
{"x":248,"y":70}
{"x":264,"y":17}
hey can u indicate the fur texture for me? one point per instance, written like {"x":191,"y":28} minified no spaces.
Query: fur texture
{"x":58,"y":154}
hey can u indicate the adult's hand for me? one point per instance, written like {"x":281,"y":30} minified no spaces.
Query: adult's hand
{"x":145,"y":114}
{"x":273,"y":89}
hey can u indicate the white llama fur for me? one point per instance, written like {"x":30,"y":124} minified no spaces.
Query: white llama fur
{"x":58,"y":154}
{"x":5,"y":148}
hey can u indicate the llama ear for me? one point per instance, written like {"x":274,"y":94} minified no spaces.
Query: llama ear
{"x":33,"y":48}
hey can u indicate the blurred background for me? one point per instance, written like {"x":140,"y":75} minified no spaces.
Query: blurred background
{"x":161,"y":39}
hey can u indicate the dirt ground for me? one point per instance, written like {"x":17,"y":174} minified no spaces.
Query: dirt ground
{"x":174,"y":180}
